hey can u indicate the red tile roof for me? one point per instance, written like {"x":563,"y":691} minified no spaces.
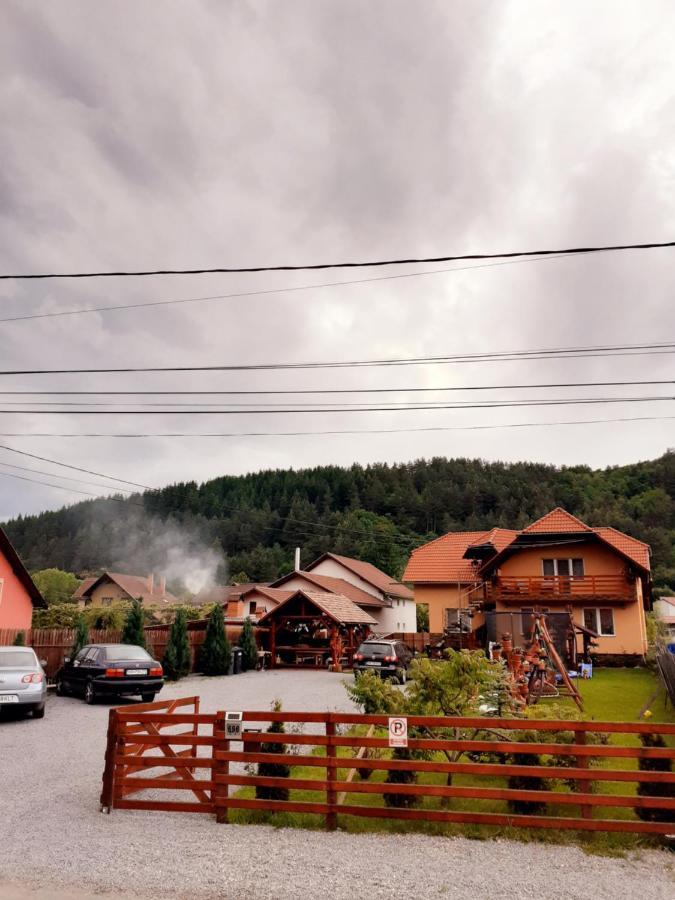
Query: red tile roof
{"x":441,"y":561}
{"x":369,"y":573}
{"x":334,"y":586}
{"x":86,"y":584}
{"x":136,"y":586}
{"x":339,"y":608}
{"x":558,"y":520}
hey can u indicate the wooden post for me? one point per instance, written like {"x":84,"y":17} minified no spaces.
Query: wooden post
{"x":273,"y":644}
{"x":331,"y":775}
{"x":109,"y":768}
{"x":220,"y":767}
{"x":583,"y":786}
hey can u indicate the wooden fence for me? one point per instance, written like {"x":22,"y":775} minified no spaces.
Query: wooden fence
{"x":453,"y":782}
{"x":53,"y":644}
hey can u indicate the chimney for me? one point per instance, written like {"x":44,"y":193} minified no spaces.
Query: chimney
{"x":151,"y":583}
{"x":297,"y":559}
{"x":162,"y":585}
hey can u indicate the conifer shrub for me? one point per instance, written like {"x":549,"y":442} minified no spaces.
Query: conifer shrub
{"x":655,"y":788}
{"x":133,"y":632}
{"x":20,"y":639}
{"x":81,"y":637}
{"x":176,"y":659}
{"x":216,"y":654}
{"x":273,"y":770}
{"x":248,"y":646}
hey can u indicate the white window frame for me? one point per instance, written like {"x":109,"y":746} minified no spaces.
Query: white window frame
{"x":570,"y":567}
{"x":596,"y":615}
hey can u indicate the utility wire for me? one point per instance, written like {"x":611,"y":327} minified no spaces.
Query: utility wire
{"x":648,"y":349}
{"x":391,"y":390}
{"x":197,"y":407}
{"x":275,"y":411}
{"x":261,"y":293}
{"x":57,"y":462}
{"x":350,"y":431}
{"x":62,"y":487}
{"x":65,"y":477}
{"x":341,"y":265}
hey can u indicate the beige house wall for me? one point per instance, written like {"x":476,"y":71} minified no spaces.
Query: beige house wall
{"x":105,"y":594}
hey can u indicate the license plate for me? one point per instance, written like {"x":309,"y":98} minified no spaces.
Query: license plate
{"x":9,"y":698}
{"x":373,"y":662}
{"x":137,"y":671}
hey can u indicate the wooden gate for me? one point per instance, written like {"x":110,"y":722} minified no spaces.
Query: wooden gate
{"x":458,"y":769}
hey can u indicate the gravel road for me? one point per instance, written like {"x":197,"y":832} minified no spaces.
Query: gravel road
{"x":55,"y":843}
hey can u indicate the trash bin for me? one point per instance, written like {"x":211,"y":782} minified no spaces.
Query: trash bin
{"x":237,"y":660}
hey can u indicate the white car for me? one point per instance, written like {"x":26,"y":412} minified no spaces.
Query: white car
{"x":23,"y":683}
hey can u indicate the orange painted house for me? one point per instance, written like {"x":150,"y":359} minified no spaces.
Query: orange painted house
{"x":556,"y":564}
{"x":18,"y":594}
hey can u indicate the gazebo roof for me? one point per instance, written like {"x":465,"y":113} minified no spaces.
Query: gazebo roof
{"x":340,"y":608}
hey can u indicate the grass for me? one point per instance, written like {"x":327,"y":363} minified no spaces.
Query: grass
{"x":612,"y":695}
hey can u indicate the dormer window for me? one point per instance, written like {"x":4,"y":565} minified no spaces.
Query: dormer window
{"x":563,"y":568}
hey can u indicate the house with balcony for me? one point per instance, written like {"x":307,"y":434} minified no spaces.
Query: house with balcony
{"x":598,"y":575}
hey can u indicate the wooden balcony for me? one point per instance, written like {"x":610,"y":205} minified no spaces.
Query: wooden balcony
{"x":544,"y":590}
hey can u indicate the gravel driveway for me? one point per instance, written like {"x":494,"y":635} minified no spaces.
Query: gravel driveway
{"x":53,"y":838}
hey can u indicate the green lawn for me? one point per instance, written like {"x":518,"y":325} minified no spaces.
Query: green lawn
{"x":612,"y":695}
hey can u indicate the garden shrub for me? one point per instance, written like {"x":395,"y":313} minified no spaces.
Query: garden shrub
{"x":655,"y":788}
{"x":273,"y":770}
{"x":216,"y":654}
{"x":176,"y":660}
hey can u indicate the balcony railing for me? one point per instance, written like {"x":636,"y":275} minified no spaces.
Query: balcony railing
{"x":556,"y":589}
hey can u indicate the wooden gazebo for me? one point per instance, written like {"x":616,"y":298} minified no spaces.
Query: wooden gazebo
{"x":315,"y":630}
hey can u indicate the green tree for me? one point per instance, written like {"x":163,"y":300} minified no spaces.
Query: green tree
{"x":20,"y":639}
{"x":133,"y":626}
{"x":273,"y":770}
{"x":422,"y":611}
{"x":216,"y":653}
{"x":176,"y":660}
{"x":81,"y":637}
{"x":55,"y":585}
{"x":248,"y":646}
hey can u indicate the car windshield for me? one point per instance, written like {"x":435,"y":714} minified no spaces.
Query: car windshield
{"x":126,"y":651}
{"x":17,"y":659}
{"x":375,"y":649}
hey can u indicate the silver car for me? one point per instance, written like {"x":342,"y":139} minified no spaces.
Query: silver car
{"x":23,"y":683}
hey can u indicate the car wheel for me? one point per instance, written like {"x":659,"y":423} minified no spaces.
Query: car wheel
{"x":148,"y":698}
{"x":39,"y":712}
{"x":89,"y":693}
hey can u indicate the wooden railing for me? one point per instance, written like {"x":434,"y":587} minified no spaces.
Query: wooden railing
{"x":231,"y":773}
{"x":516,"y":588}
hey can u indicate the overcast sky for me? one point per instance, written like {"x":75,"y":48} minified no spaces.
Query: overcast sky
{"x":173,"y":134}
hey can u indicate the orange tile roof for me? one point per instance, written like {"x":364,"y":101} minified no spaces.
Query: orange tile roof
{"x":636,"y":550}
{"x":442,"y":560}
{"x":556,"y":520}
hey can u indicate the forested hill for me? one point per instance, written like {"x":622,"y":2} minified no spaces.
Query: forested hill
{"x":377,"y":513}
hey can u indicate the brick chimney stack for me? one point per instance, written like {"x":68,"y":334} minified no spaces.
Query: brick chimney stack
{"x":151,"y":583}
{"x":162,"y":585}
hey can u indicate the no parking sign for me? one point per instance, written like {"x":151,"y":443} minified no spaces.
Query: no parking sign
{"x":398,"y":731}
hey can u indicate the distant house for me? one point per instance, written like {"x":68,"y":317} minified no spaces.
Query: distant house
{"x":664,"y":609}
{"x":558,"y":563}
{"x":18,"y":594}
{"x":390,"y":603}
{"x":113,"y":587}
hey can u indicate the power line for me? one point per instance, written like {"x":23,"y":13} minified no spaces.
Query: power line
{"x":342,"y":265}
{"x":64,"y":477}
{"x":261,"y":293}
{"x":646,"y":349}
{"x":69,"y":466}
{"x":273,"y":411}
{"x":62,"y":487}
{"x":389,"y":390}
{"x":350,"y":431}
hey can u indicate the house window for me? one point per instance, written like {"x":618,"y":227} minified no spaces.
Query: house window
{"x":106,"y":601}
{"x":252,"y":606}
{"x":600,"y":620}
{"x":563,"y":568}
